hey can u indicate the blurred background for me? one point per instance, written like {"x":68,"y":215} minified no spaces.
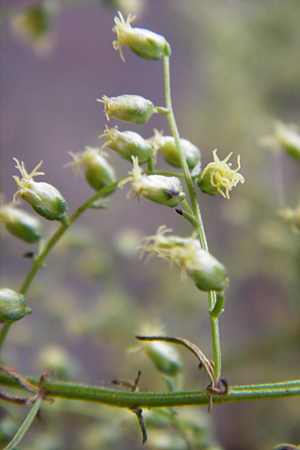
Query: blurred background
{"x":235,"y":68}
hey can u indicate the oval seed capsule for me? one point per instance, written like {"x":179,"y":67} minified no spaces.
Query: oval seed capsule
{"x":128,"y":144}
{"x":44,"y":198}
{"x":98,"y":172}
{"x":21,"y":224}
{"x":128,"y":108}
{"x":143,"y":42}
{"x":167,"y":145}
{"x":13,"y":306}
{"x":164,"y":357}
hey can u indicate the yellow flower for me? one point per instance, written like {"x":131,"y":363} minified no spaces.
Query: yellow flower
{"x":219,"y":177}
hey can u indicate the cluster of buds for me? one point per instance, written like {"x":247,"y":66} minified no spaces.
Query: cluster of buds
{"x":204,"y":269}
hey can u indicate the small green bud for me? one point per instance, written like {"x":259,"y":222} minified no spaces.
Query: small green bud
{"x":288,"y":137}
{"x":207,"y":272}
{"x":129,"y":108}
{"x":98,"y":172}
{"x":167,"y":145}
{"x":13,"y":306}
{"x":186,"y":253}
{"x":34,"y":24}
{"x":141,"y":41}
{"x":160,"y":189}
{"x":219,"y":177}
{"x":163,"y":355}
{"x":44,"y":198}
{"x":21,"y":224}
{"x":128,"y":144}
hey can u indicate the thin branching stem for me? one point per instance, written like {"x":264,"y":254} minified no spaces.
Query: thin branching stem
{"x":196,"y":211}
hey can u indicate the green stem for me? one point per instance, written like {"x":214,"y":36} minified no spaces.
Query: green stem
{"x":39,"y":261}
{"x":130,"y":400}
{"x":196,"y":211}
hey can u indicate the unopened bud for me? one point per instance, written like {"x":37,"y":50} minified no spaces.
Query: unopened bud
{"x":21,"y":224}
{"x":141,"y":41}
{"x":13,"y":306}
{"x":44,"y":198}
{"x":160,"y":189}
{"x":98,"y":172}
{"x":129,"y":108}
{"x":128,"y":144}
{"x":167,"y":145}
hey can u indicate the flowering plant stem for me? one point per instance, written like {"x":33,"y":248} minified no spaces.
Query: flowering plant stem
{"x":195,"y":209}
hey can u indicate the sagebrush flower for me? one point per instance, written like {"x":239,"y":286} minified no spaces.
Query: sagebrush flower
{"x":128,"y":108}
{"x":158,"y":188}
{"x":98,"y":172}
{"x":291,"y":216}
{"x":186,"y":253}
{"x":219,"y":177}
{"x":44,"y":198}
{"x":141,"y":41}
{"x":20,"y":223}
{"x":167,"y":145}
{"x":13,"y":306}
{"x":127,"y":144}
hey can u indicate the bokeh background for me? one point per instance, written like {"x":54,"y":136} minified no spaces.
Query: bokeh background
{"x":235,"y":68}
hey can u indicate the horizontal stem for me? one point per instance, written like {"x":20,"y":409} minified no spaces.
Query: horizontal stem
{"x":72,"y":391}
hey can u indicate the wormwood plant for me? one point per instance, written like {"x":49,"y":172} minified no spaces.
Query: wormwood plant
{"x":176,"y":189}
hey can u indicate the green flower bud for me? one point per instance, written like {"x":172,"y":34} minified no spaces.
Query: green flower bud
{"x":98,"y":172}
{"x":13,"y":306}
{"x":219,"y":177}
{"x":207,"y":272}
{"x":129,"y":108}
{"x":128,"y":144}
{"x":186,"y":253}
{"x":288,"y":137}
{"x":164,"y":356}
{"x":160,"y":189}
{"x":141,"y":41}
{"x":44,"y":198}
{"x":21,"y":224}
{"x":166,"y":144}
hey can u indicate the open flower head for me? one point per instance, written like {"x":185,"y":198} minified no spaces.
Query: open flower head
{"x":98,"y":172}
{"x":160,"y":189}
{"x":291,"y":216}
{"x":44,"y":198}
{"x":186,"y":253}
{"x":219,"y":177}
{"x":141,"y":41}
